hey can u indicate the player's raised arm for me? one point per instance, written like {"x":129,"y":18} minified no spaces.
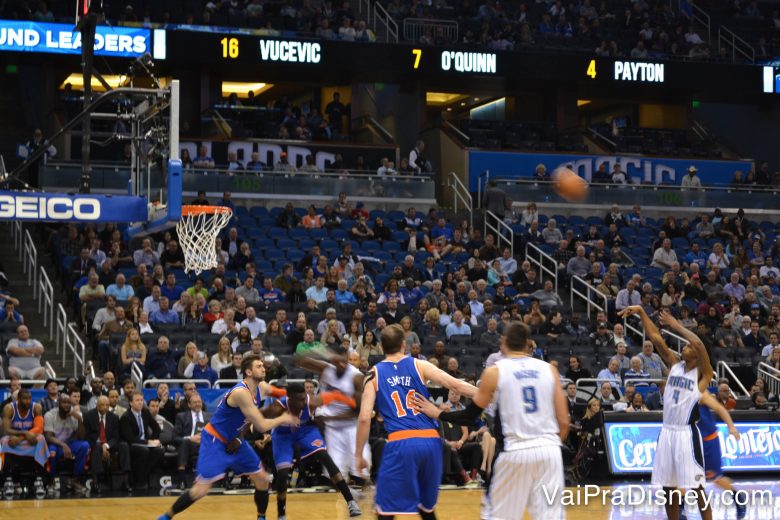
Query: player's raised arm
{"x":708,"y":400}
{"x":435,"y":374}
{"x":243,"y":400}
{"x":705,"y":366}
{"x":309,"y":362}
{"x":364,"y":419}
{"x":653,"y":334}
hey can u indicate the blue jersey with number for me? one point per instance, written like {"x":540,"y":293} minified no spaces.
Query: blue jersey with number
{"x":397,"y":382}
{"x":228,"y":420}
{"x":707,"y":424}
{"x":22,"y":423}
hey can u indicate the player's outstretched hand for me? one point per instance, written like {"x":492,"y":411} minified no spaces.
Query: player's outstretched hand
{"x":734,"y":432}
{"x":631,"y":310}
{"x":421,"y":404}
{"x":666,"y":319}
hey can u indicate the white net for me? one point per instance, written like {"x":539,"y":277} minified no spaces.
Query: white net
{"x":197,"y":236}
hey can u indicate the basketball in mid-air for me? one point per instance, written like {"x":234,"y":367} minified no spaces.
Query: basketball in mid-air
{"x":569,"y":186}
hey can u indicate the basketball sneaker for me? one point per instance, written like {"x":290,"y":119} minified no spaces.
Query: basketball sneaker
{"x":354,"y":509}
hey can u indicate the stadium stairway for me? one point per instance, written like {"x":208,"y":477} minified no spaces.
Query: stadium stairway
{"x":19,"y":288}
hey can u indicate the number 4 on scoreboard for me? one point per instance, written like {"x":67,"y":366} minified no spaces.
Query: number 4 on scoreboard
{"x":591,"y":69}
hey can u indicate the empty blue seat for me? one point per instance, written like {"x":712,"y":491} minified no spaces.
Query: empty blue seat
{"x":274,"y":254}
{"x":400,"y":236}
{"x":264,"y":243}
{"x":328,"y":244}
{"x":286,"y":243}
{"x":298,"y":233}
{"x":376,"y":213}
{"x":338,"y":234}
{"x":395,"y":216}
{"x":306,"y":244}
{"x":391,"y":246}
{"x":318,"y":234}
{"x":259,"y":212}
{"x":370,"y":245}
{"x":277,"y":233}
{"x":382,"y":256}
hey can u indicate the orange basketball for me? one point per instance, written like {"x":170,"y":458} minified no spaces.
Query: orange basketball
{"x":569,"y":186}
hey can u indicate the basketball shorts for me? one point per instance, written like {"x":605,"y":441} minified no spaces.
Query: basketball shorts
{"x":340,"y":437}
{"x":713,"y":459}
{"x":528,"y":479}
{"x":409,"y":476}
{"x":679,"y":458}
{"x":307,"y":439}
{"x":214,"y":460}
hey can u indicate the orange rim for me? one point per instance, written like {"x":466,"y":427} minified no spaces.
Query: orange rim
{"x":188,"y":211}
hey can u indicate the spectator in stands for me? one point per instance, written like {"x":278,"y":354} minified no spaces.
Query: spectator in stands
{"x":222,"y":358}
{"x":162,"y":362}
{"x":24,"y":355}
{"x":705,"y":229}
{"x":119,"y":289}
{"x":754,"y":341}
{"x":636,"y":371}
{"x":152,"y":302}
{"x":248,"y":291}
{"x":369,"y":346}
{"x":610,"y":374}
{"x":551,"y":234}
{"x":146,"y":255}
{"x":164,"y":315}
{"x":457,"y":327}
{"x":724,"y":396}
{"x":49,"y":401}
{"x":308,"y":343}
{"x":101,"y":430}
{"x":81,"y":265}
{"x":64,"y":432}
{"x":133,"y":353}
{"x":172,"y":257}
{"x":186,"y":434}
{"x":618,"y":175}
{"x":547,"y":297}
{"x":227,"y":324}
{"x":735,"y":289}
{"x":255,"y":325}
{"x":416,"y":160}
{"x":578,"y":265}
{"x":768,"y":350}
{"x":201,"y":369}
{"x":664,"y":256}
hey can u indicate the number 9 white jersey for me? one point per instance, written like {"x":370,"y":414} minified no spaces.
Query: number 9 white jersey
{"x":526,"y":403}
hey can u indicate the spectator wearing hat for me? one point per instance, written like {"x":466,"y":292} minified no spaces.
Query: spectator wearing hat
{"x":359,"y":211}
{"x":691,"y":180}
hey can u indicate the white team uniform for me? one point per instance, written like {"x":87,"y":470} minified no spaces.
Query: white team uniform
{"x":341,"y":434}
{"x":531,"y":461}
{"x":679,"y":456}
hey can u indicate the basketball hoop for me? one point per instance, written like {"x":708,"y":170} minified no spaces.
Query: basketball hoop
{"x":198,"y":230}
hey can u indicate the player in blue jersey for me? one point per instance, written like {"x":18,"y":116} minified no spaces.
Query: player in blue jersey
{"x":712,"y":456}
{"x":307,"y":439}
{"x":221,"y":448}
{"x":411,"y":468}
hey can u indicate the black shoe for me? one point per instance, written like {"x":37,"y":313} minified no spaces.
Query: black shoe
{"x":97,"y":489}
{"x":126,"y":486}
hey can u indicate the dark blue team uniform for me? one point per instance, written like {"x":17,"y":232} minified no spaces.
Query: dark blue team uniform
{"x":410,"y":473}
{"x":709,"y":434}
{"x":224,"y":426}
{"x":306,"y":437}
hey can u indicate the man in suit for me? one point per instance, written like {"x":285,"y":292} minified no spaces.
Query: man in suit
{"x":80,"y":266}
{"x":138,"y":428}
{"x":234,"y":370}
{"x":102,"y":433}
{"x":186,"y":434}
{"x":113,"y":402}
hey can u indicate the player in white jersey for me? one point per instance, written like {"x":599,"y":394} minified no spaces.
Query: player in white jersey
{"x":679,"y":455}
{"x":534,"y":421}
{"x":340,"y":419}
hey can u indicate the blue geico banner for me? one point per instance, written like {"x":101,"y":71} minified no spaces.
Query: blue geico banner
{"x":56,"y":38}
{"x":654,"y":170}
{"x":62,"y":207}
{"x":631,"y":447}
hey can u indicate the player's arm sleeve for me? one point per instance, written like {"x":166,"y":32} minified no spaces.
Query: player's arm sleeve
{"x":432,"y":373}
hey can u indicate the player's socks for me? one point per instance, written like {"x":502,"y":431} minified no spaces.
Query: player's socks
{"x":261,"y":501}
{"x":342,"y":486}
{"x":164,"y":516}
{"x":741,"y":511}
{"x":182,"y":503}
{"x":426,"y":515}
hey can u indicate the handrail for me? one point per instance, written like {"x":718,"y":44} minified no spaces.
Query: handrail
{"x":219,"y":382}
{"x":602,"y":137}
{"x":543,"y":257}
{"x":415,"y":28}
{"x":74,"y":342}
{"x":630,"y":327}
{"x":530,"y":182}
{"x":41,"y":382}
{"x":591,"y":290}
{"x":681,"y":342}
{"x":30,"y":262}
{"x":640,"y":381}
{"x":702,"y":17}
{"x":382,"y":130}
{"x":136,"y":375}
{"x":771,"y":377}
{"x":485,"y":174}
{"x":458,"y":131}
{"x":46,"y":301}
{"x":391,"y":27}
{"x":16,"y":233}
{"x":153,"y":381}
{"x":60,"y":331}
{"x":724,"y":370}
{"x":461,"y":193}
{"x":497,"y":230}
{"x":50,"y":373}
{"x":727,"y":36}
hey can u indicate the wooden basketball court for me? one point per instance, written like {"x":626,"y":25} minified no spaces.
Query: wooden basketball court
{"x":453,"y":505}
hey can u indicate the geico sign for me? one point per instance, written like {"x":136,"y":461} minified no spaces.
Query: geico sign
{"x":48,"y":208}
